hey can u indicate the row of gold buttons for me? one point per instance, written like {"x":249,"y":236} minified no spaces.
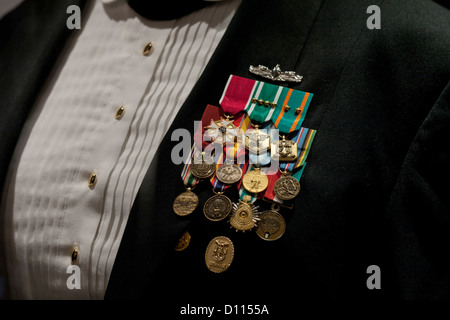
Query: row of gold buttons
{"x":93,"y":177}
{"x":119,"y":115}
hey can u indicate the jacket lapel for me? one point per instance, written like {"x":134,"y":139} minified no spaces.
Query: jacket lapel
{"x":29,"y":48}
{"x":153,"y":229}
{"x":31,"y":38}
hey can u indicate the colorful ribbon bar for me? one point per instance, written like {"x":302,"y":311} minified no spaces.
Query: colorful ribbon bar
{"x":304,"y":139}
{"x":285,"y":107}
{"x":288,"y":117}
{"x":237,"y":94}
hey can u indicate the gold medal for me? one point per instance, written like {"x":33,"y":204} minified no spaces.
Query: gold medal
{"x":185,"y":203}
{"x":183,"y":242}
{"x":217,"y":207}
{"x":255,"y":181}
{"x":229,"y":173}
{"x":287,"y":150}
{"x":287,"y":187}
{"x":219,"y":254}
{"x":203,"y":167}
{"x":245,"y":215}
{"x":271,"y":225}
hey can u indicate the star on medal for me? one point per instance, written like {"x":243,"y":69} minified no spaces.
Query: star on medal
{"x":221,"y":131}
{"x":245,"y":215}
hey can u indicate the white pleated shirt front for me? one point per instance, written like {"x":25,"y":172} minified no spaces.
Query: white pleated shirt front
{"x":72,"y":132}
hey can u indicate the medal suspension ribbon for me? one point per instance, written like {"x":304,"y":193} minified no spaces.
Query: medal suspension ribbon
{"x":303,"y":139}
{"x":187,"y":177}
{"x":237,"y":151}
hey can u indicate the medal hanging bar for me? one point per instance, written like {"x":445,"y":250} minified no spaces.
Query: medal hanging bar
{"x":186,"y":202}
{"x":224,"y":131}
{"x":219,"y":206}
{"x":282,"y":186}
{"x":229,"y":173}
{"x":303,"y":140}
{"x":189,"y":180}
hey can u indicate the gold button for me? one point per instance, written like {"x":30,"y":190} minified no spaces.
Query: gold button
{"x":286,"y":108}
{"x":92,"y":180}
{"x":75,"y":253}
{"x":147,"y":49}
{"x":120,"y":112}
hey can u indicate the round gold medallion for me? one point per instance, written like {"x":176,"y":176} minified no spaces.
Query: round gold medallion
{"x":255,"y":181}
{"x":271,"y":225}
{"x":185,"y":203}
{"x":286,"y":188}
{"x":217,"y":207}
{"x":219,"y":254}
{"x":202,"y":167}
{"x":229,"y":173}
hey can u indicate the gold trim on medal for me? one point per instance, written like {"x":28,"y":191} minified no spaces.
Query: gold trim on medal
{"x":219,"y":254}
{"x":217,"y":207}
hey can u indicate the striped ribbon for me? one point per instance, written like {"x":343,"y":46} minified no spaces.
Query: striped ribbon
{"x":188,"y":178}
{"x":261,"y":113}
{"x":287,"y":121}
{"x":239,"y":94}
{"x":237,"y":152}
{"x":242,"y":191}
{"x":270,"y":194}
{"x":304,"y":139}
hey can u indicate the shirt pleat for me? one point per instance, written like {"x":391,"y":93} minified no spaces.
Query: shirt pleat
{"x":72,"y":133}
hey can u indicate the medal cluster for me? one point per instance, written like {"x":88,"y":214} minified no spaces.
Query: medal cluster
{"x":259,"y":165}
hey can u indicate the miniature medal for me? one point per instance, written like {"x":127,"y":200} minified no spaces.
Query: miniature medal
{"x":219,"y":254}
{"x":183,"y":242}
{"x":229,"y":173}
{"x":257,"y":141}
{"x":217,"y":207}
{"x":287,"y":150}
{"x":185,"y":203}
{"x":245,"y":215}
{"x":221,"y":131}
{"x":203,"y":167}
{"x":255,"y":181}
{"x":287,"y":187}
{"x":271,"y":225}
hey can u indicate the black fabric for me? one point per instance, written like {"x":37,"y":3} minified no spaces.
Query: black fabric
{"x":374,"y":189}
{"x":165,"y":10}
{"x":373,"y":89}
{"x":418,"y":212}
{"x":31,"y":39}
